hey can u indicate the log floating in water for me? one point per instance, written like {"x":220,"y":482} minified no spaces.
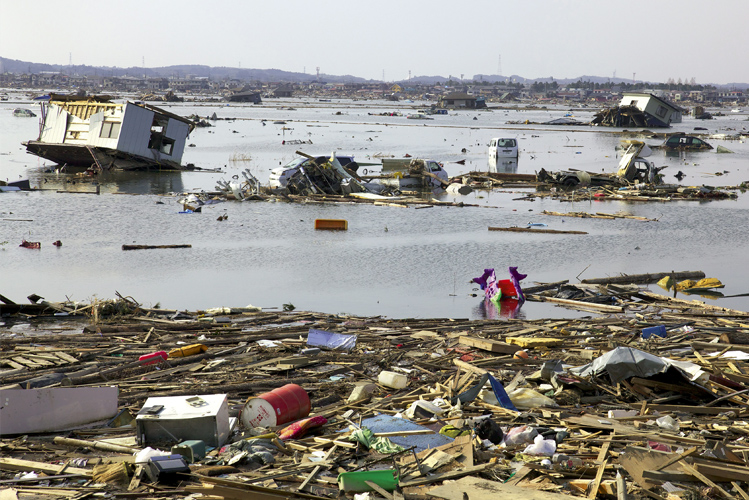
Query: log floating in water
{"x":645,"y":278}
{"x":598,"y":215}
{"x":534,"y":230}
{"x":151,"y":247}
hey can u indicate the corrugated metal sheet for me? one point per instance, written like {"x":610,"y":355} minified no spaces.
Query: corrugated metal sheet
{"x":55,"y":125}
{"x":135,"y":131}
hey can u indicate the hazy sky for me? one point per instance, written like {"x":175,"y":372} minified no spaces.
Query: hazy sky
{"x":653,"y":40}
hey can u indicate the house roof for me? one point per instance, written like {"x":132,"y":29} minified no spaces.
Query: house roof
{"x":459,"y":95}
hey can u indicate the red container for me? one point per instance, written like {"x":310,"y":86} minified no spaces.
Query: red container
{"x":507,"y":288}
{"x":154,"y":357}
{"x":279,"y":406}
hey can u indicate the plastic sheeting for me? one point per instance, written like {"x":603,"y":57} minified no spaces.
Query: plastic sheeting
{"x":625,"y":362}
{"x":330,"y":340}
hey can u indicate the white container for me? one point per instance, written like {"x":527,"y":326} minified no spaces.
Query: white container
{"x":392,"y":379}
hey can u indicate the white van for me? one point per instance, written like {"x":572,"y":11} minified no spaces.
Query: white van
{"x":503,"y":148}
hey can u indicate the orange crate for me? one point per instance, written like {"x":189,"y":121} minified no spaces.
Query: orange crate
{"x":334,"y":224}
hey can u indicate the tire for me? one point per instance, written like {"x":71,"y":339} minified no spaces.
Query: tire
{"x":570,"y":182}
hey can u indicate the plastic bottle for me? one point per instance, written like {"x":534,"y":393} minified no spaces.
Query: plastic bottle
{"x":392,"y":379}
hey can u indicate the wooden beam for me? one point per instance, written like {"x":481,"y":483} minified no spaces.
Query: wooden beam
{"x":533,"y":230}
{"x":705,"y":480}
{"x":489,"y":345}
{"x":593,"y":492}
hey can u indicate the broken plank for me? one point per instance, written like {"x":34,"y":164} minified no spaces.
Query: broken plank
{"x":152,"y":247}
{"x":14,"y":464}
{"x":688,"y":468}
{"x":455,"y":474}
{"x":578,"y":303}
{"x":489,"y":345}
{"x":483,"y":489}
{"x":533,"y":230}
{"x":643,"y":279}
{"x":534,"y":342}
{"x":379,"y":489}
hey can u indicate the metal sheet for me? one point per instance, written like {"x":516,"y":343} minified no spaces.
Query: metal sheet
{"x":52,"y":409}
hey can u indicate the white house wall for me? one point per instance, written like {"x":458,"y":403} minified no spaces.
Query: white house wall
{"x":95,"y":123}
{"x":135,"y":131}
{"x":178,"y":131}
{"x":55,"y":125}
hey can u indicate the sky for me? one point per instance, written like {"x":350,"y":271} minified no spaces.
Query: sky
{"x":653,"y":40}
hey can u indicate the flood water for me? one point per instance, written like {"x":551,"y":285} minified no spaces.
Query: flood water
{"x":392,"y":261}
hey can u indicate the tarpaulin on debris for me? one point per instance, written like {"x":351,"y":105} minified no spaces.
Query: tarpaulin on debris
{"x":330,"y":340}
{"x":625,"y":362}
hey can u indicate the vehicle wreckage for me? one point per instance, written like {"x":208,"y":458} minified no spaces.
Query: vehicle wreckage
{"x":94,"y":133}
{"x":633,"y":169}
{"x":337,"y":175}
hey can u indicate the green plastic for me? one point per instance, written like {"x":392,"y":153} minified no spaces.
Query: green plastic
{"x":387,"y":479}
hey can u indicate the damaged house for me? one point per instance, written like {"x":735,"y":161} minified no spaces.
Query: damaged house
{"x":639,"y":109}
{"x":96,"y":133}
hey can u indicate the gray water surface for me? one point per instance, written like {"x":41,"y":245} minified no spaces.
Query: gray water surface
{"x":396,"y":262}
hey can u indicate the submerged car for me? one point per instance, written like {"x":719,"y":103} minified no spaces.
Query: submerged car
{"x":682,"y":142}
{"x":503,"y":148}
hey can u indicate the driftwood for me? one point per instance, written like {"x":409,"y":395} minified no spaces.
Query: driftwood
{"x":644,"y":279}
{"x":151,"y":247}
{"x":534,"y":230}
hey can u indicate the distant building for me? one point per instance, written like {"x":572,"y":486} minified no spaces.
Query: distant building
{"x":283,"y":91}
{"x":245,"y":96}
{"x":458,"y":100}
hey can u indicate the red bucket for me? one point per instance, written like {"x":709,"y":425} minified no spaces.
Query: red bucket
{"x":279,"y":406}
{"x":507,"y":288}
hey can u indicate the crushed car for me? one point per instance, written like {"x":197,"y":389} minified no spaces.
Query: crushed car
{"x":633,"y":169}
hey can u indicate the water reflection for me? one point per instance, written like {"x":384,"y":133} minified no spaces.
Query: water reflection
{"x":503,"y":165}
{"x":80,"y":181}
{"x":508,"y":308}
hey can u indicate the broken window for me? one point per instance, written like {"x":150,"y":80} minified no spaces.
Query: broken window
{"x":158,"y":140}
{"x":661,"y":112}
{"x":110,"y":130}
{"x":167,"y":145}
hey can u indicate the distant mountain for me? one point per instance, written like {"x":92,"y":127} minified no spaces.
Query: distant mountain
{"x":180,"y":71}
{"x":277,"y":75}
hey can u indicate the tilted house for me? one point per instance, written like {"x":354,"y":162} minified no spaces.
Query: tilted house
{"x":659,"y":112}
{"x":93,"y":132}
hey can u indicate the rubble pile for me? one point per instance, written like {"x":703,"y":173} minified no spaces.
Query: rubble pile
{"x":644,"y":395}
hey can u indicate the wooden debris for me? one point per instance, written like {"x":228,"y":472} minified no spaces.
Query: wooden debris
{"x":152,"y":247}
{"x":534,"y":230}
{"x":607,"y":453}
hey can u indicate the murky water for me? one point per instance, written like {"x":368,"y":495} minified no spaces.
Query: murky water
{"x":397,"y":262}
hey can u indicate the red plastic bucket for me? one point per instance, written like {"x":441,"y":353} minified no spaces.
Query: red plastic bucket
{"x":279,"y":406}
{"x":507,"y":288}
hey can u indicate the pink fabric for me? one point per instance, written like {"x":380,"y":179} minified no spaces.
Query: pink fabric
{"x":300,"y":428}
